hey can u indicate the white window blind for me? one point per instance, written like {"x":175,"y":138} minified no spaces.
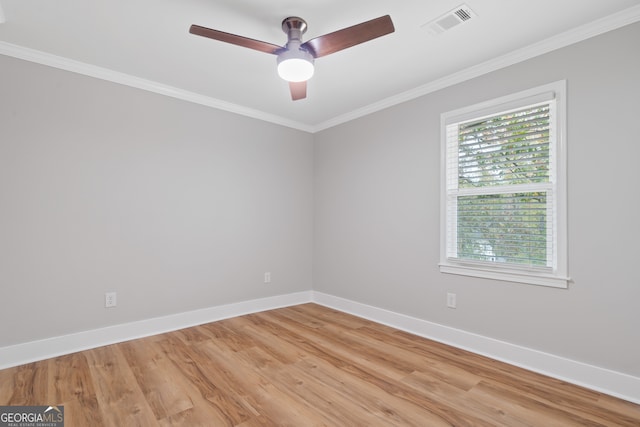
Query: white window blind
{"x":501,"y":190}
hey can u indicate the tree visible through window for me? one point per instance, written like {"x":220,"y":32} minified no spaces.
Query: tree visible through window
{"x":507,"y":149}
{"x":501,"y":182}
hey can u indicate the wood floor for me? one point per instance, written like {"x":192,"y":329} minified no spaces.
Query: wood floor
{"x":301,"y":366}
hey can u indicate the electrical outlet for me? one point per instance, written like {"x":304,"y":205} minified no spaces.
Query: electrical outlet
{"x":451,"y":300}
{"x":267,"y":277}
{"x":110,"y":299}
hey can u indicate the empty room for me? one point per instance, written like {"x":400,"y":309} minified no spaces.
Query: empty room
{"x":366,"y":213}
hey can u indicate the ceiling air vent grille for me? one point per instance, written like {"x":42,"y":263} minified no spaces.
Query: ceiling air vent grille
{"x":450,"y":19}
{"x":463,"y":14}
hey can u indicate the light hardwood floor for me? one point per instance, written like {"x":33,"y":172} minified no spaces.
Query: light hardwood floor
{"x":301,"y":366}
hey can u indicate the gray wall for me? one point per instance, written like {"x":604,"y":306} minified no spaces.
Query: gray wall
{"x":177,"y":207}
{"x":173,"y":205}
{"x":377,"y":211}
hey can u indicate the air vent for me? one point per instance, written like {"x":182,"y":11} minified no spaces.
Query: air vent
{"x":463,"y":14}
{"x":460,"y":14}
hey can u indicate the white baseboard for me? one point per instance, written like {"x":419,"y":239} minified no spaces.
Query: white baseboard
{"x":610,"y":382}
{"x":52,"y":347}
{"x":603,"y":380}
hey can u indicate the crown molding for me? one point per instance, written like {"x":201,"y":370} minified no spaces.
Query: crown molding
{"x":600,"y":26}
{"x":44,"y":58}
{"x":584,"y":32}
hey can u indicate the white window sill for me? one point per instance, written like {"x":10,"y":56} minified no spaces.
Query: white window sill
{"x":531,"y":277}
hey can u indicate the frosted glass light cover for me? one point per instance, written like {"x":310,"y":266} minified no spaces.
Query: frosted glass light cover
{"x":295,"y":70}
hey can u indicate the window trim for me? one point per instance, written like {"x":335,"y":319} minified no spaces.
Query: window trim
{"x":556,"y":276}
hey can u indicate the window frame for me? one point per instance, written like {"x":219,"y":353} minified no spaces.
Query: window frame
{"x":557,"y":275}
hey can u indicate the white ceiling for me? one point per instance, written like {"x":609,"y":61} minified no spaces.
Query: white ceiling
{"x":146,"y":43}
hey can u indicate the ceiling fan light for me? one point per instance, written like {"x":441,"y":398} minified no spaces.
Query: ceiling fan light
{"x":295,"y":70}
{"x":295,"y":66}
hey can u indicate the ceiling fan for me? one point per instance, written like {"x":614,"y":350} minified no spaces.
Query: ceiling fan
{"x":295,"y":59}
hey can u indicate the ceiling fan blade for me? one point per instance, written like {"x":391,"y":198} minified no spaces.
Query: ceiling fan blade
{"x":350,"y":36}
{"x":234,"y":39}
{"x":298,"y":90}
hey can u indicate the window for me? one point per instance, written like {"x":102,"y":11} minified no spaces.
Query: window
{"x":504,"y":188}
